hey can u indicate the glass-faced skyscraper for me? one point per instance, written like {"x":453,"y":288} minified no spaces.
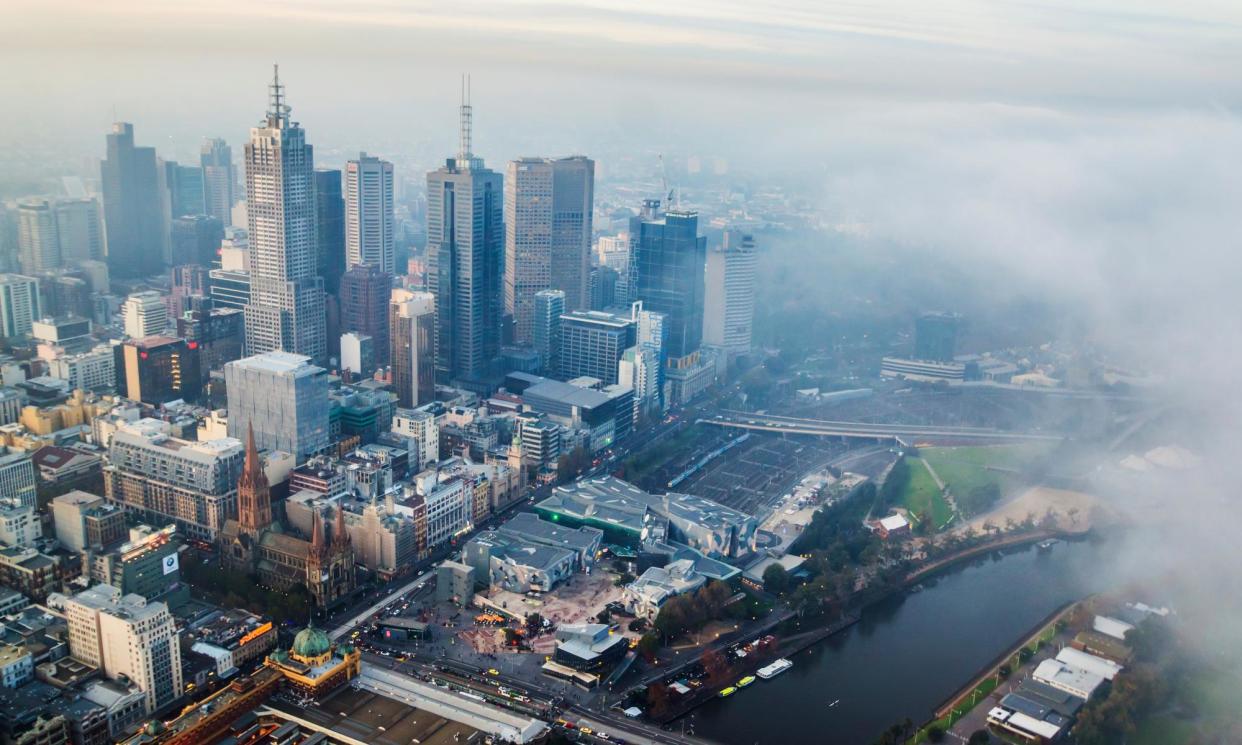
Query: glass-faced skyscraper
{"x":133,"y":206}
{"x":286,"y":310}
{"x":369,"y":228}
{"x":548,"y":204}
{"x":669,"y":258}
{"x":216,"y":159}
{"x":330,"y":217}
{"x":465,"y":243}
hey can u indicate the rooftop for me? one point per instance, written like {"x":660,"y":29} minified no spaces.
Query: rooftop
{"x":281,"y":363}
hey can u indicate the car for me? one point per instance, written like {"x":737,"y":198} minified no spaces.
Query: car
{"x":586,"y":730}
{"x":493,"y":671}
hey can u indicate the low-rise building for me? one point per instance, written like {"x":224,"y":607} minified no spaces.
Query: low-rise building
{"x":588,"y":646}
{"x":644,"y":596}
{"x":508,"y":563}
{"x":1069,"y":678}
{"x":35,"y":575}
{"x":454,"y":583}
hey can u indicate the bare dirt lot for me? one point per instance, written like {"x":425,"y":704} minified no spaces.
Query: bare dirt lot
{"x":1074,"y":510}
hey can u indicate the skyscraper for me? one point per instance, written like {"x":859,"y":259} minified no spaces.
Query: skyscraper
{"x":465,"y":243}
{"x":411,"y":318}
{"x":369,"y":237}
{"x":58,"y":232}
{"x":286,"y":310}
{"x":548,"y":203}
{"x":158,"y":369}
{"x":365,"y":290}
{"x":546,"y":336}
{"x":669,"y":256}
{"x":729,"y":294}
{"x":185,"y":189}
{"x":219,"y":179}
{"x":144,"y":314}
{"x":330,"y":220}
{"x":196,"y":240}
{"x":133,"y":206}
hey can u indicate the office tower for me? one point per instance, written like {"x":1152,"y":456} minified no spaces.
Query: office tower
{"x":592,"y":343}
{"x":604,"y":281}
{"x":216,"y":333}
{"x":652,"y":337}
{"x":411,"y":318}
{"x":80,"y":230}
{"x":8,"y":239}
{"x":17,"y":478}
{"x":160,"y":478}
{"x":133,"y":206}
{"x":230,"y":280}
{"x":729,"y":294}
{"x":546,"y":328}
{"x":144,"y":314}
{"x":158,"y":369}
{"x":669,"y":258}
{"x":640,"y":369}
{"x":219,"y":180}
{"x":185,"y":189}
{"x":284,"y":398}
{"x":286,"y":310}
{"x":37,"y":238}
{"x":127,"y":636}
{"x":330,"y":220}
{"x":196,"y":239}
{"x":369,"y":229}
{"x":357,"y":355}
{"x":935,"y":336}
{"x":65,"y":334}
{"x":465,"y":244}
{"x":365,"y":290}
{"x":548,"y":204}
{"x":20,"y":304}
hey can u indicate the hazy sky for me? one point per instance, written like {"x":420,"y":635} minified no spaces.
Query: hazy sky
{"x":557,"y":76}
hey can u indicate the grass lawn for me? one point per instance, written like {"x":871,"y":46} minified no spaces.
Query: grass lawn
{"x":922,"y":494}
{"x":964,"y":469}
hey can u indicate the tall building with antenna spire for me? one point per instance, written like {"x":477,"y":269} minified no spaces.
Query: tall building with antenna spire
{"x":465,"y":249}
{"x":286,"y":309}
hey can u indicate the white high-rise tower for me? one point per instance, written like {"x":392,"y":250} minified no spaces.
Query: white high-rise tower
{"x":286,"y":309}
{"x":369,"y":235}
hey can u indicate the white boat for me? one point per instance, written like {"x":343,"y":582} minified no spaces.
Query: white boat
{"x":775,"y":669}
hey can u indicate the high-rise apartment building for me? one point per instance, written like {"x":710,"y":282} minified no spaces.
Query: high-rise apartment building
{"x":411,"y":318}
{"x":162,"y":479}
{"x":421,"y":426}
{"x":729,"y":294}
{"x":286,"y":310}
{"x":465,"y":245}
{"x":284,"y":398}
{"x":369,"y":228}
{"x":133,"y":206}
{"x":58,"y":232}
{"x":365,"y":291}
{"x":219,"y":180}
{"x":548,"y":203}
{"x":20,"y":304}
{"x":144,"y":314}
{"x":592,"y":343}
{"x":127,"y":636}
{"x":546,"y":327}
{"x":669,"y":257}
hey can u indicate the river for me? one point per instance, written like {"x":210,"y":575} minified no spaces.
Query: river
{"x":908,"y":653}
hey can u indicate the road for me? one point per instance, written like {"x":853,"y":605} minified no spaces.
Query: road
{"x":795,"y":425}
{"x":345,"y":628}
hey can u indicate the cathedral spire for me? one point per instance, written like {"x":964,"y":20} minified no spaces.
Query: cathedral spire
{"x":254,"y":495}
{"x":318,"y":545}
{"x":340,"y":536}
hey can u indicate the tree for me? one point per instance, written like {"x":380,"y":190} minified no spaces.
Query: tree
{"x":714,"y":665}
{"x":776,"y":579}
{"x":648,"y":646}
{"x":534,"y":623}
{"x":979,"y":737}
{"x":657,"y":699}
{"x":935,"y":733}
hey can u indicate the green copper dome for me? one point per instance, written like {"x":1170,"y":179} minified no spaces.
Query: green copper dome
{"x":311,"y":642}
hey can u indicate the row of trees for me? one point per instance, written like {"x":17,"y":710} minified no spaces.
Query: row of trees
{"x":234,"y":589}
{"x":689,"y":612}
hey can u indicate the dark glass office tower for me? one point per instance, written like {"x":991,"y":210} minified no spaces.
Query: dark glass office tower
{"x":133,"y":206}
{"x":330,"y":218}
{"x":365,"y":291}
{"x":935,"y":336}
{"x":185,"y":189}
{"x":669,"y":258}
{"x":465,"y":249}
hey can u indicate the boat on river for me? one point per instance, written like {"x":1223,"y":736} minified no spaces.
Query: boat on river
{"x":725,"y":693}
{"x":776,"y":668}
{"x":746,"y":681}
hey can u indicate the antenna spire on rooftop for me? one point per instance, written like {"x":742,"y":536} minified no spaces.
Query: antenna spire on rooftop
{"x":464,"y":152}
{"x":278,"y":110}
